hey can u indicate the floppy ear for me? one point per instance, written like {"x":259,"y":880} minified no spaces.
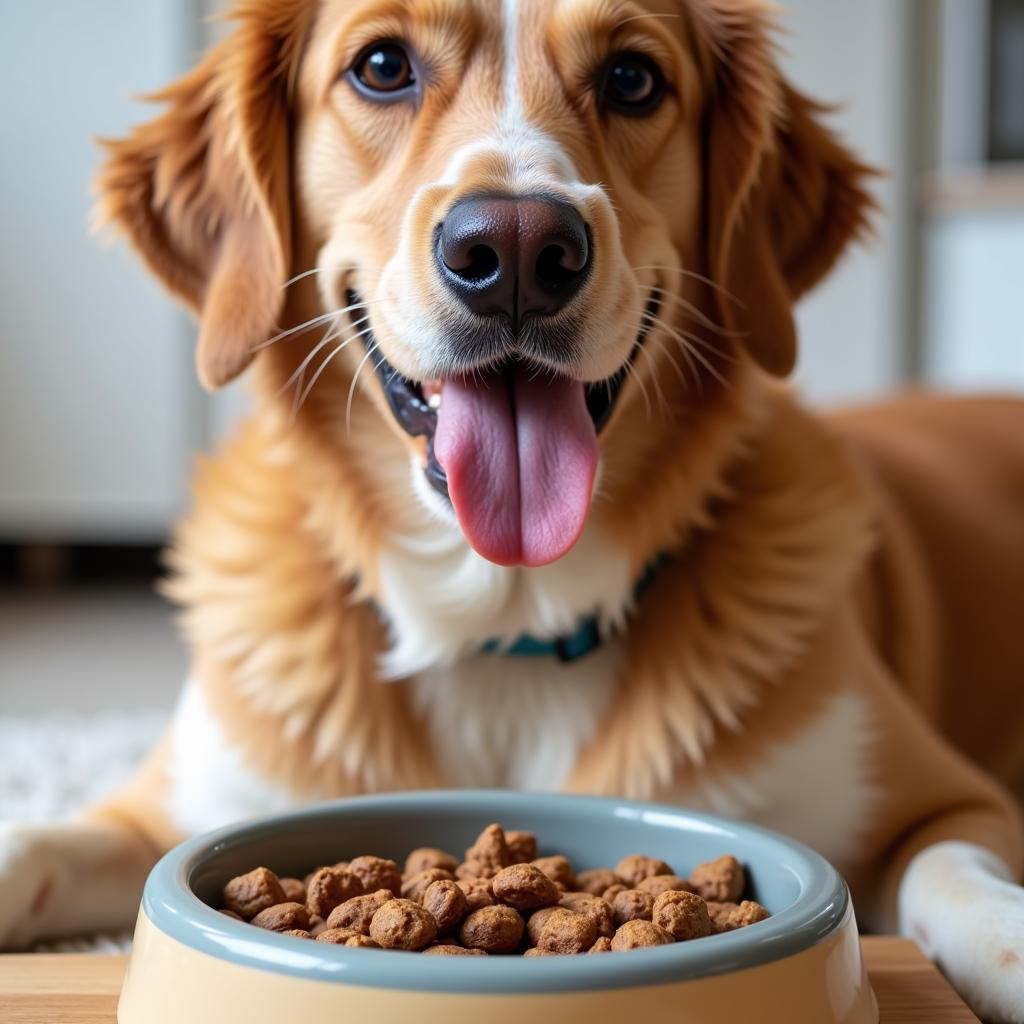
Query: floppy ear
{"x":783,"y":197}
{"x":202,"y":191}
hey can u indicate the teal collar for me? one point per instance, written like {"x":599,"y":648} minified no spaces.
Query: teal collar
{"x":587,"y":637}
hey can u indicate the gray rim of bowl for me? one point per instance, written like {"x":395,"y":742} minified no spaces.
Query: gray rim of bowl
{"x":174,"y":909}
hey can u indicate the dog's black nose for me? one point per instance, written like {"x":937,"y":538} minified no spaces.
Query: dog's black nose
{"x":513,"y":255}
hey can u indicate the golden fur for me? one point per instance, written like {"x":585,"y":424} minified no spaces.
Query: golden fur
{"x":808,"y":560}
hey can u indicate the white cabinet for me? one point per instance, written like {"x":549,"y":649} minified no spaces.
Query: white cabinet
{"x":99,"y":410}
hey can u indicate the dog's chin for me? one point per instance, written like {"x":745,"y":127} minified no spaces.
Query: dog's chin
{"x":415,"y":404}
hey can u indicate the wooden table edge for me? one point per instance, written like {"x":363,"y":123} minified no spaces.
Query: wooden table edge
{"x":75,"y":988}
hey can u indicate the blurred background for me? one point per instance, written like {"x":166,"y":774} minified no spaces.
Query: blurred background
{"x":100,"y":415}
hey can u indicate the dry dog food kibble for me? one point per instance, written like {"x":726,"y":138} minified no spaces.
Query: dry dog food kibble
{"x":357,"y":912}
{"x":402,"y":924}
{"x":501,"y":898}
{"x":329,"y":888}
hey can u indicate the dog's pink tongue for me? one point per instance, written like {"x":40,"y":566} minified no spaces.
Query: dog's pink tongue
{"x":520,"y":458}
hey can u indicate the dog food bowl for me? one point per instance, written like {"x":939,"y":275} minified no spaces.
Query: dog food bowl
{"x":193,"y":964}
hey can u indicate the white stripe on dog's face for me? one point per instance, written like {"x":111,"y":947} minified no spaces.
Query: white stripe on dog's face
{"x":510,"y":78}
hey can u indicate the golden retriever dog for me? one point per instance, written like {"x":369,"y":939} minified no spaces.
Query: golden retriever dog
{"x":524,"y":500}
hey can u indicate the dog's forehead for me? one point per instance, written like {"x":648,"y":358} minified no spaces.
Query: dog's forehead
{"x":515,"y":36}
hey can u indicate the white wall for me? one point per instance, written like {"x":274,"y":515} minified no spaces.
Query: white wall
{"x":854,"y":329}
{"x":98,"y":407}
{"x":974,"y":277}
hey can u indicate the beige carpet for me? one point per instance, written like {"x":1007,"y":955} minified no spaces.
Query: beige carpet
{"x":53,"y":764}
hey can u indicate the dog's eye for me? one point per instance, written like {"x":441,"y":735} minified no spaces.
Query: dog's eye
{"x":384,"y":68}
{"x":633,"y":84}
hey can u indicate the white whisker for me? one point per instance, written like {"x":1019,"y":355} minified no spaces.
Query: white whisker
{"x":632,"y":372}
{"x":697,"y":277}
{"x":309,"y":273}
{"x":336,"y":331}
{"x":323,"y":366}
{"x":654,"y":377}
{"x":667,"y":353}
{"x":687,"y":346}
{"x":352,"y":387}
{"x":696,"y":313}
{"x":317,"y":320}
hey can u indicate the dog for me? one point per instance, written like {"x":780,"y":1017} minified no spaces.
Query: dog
{"x":525,"y":499}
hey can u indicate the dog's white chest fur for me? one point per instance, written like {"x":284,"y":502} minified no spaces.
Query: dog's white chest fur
{"x":815,"y":786}
{"x":515,"y":721}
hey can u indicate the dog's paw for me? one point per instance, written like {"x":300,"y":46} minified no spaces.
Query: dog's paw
{"x":27,"y":878}
{"x":958,"y":903}
{"x":73,"y":879}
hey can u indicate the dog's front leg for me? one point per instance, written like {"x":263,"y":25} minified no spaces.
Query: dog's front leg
{"x":959,"y":901}
{"x":84,"y":876}
{"x":946,"y":856}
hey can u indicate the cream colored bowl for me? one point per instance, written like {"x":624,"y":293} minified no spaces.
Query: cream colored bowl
{"x":192,"y":965}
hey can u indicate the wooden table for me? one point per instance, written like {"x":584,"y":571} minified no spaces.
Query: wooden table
{"x":82,"y":989}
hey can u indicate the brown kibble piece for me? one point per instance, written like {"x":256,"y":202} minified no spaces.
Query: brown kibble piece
{"x":603,"y":945}
{"x":682,"y":914}
{"x":487,"y":856}
{"x":567,"y":932}
{"x":364,"y":941}
{"x":377,"y":873}
{"x":252,"y":892}
{"x":316,"y":925}
{"x":427,"y":857}
{"x":283,"y":917}
{"x":722,"y":880}
{"x":612,"y":891}
{"x":657,"y":884}
{"x":329,"y":888}
{"x":537,"y":951}
{"x":593,"y":907}
{"x":719,"y":915}
{"x":294,"y":890}
{"x":336,"y":936}
{"x":230,"y":913}
{"x":536,"y":923}
{"x":297,"y":933}
{"x":496,"y":929}
{"x":749,"y":912}
{"x":358,"y":912}
{"x":558,"y":869}
{"x":447,"y":950}
{"x":635,"y":868}
{"x":402,"y":924}
{"x":596,"y":881}
{"x":447,"y":902}
{"x":639,"y":934}
{"x":478,"y":893}
{"x":522,"y":846}
{"x":415,"y":886}
{"x":524,"y":887}
{"x":632,"y":905}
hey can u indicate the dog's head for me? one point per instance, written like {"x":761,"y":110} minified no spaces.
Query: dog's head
{"x":516,"y":212}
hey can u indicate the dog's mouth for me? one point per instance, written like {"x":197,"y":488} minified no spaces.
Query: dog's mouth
{"x":513,"y":449}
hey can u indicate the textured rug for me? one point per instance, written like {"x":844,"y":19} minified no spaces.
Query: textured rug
{"x":52,"y":765}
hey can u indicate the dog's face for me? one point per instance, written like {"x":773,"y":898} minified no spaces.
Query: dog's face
{"x":508,"y":210}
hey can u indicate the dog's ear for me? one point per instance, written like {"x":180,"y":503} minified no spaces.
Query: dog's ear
{"x":783,"y":196}
{"x":202,"y":191}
